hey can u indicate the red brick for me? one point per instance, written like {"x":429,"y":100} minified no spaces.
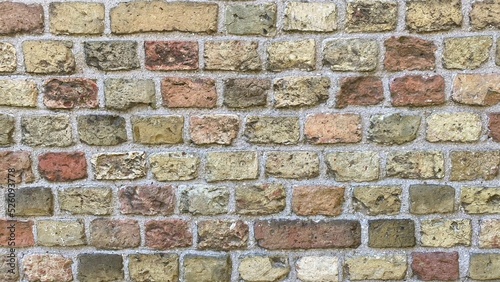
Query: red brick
{"x":360,"y":91}
{"x":115,"y":234}
{"x":147,"y":200}
{"x":171,"y":55}
{"x":494,"y":126}
{"x":318,"y":200}
{"x":23,"y":233}
{"x":416,"y":90}
{"x":60,"y":167}
{"x":168,"y":234}
{"x":299,"y":234}
{"x":333,"y":128}
{"x":409,"y":53}
{"x":222,"y":235}
{"x":436,"y":266}
{"x":21,"y":18}
{"x":19,"y":161}
{"x":70,"y":93}
{"x":188,"y":93}
{"x":216,"y":129}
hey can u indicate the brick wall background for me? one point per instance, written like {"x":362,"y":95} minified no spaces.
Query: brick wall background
{"x":250,"y":140}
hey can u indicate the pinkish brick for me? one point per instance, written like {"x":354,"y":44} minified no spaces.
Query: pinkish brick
{"x":188,"y":92}
{"x":171,"y":55}
{"x":70,"y":93}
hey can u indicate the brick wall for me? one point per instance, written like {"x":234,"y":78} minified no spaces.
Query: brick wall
{"x":255,"y":141}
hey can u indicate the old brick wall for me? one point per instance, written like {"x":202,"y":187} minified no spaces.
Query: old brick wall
{"x":250,"y":140}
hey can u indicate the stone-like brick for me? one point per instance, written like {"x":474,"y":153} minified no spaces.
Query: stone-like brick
{"x":123,"y":94}
{"x":20,"y":161}
{"x":232,"y":56}
{"x":454,"y":127}
{"x":100,"y":267}
{"x":23,"y":233}
{"x":391,"y":233}
{"x":188,"y":93}
{"x":21,"y":18}
{"x":299,"y":234}
{"x":484,"y":266}
{"x":174,"y":166}
{"x":416,"y":91}
{"x":214,"y":129}
{"x":333,"y":128}
{"x":467,"y":165}
{"x":260,"y":268}
{"x":354,"y":166}
{"x":29,"y":202}
{"x":484,"y":14}
{"x":317,"y":268}
{"x":156,"y":130}
{"x":119,"y":166}
{"x":360,"y":91}
{"x":241,"y":165}
{"x":318,"y":200}
{"x":204,"y":200}
{"x":445,"y":233}
{"x":7,"y":126}
{"x":102,"y":130}
{"x":47,"y":131}
{"x":393,"y":129}
{"x":315,"y":17}
{"x":61,"y":167}
{"x":207,"y":268}
{"x":409,"y":53}
{"x":76,"y":18}
{"x":433,"y":15}
{"x":154,"y":267}
{"x":158,"y":16}
{"x":260,"y":199}
{"x":49,"y":57}
{"x":147,"y":200}
{"x":9,"y":266}
{"x":497,"y":59}
{"x":429,"y":198}
{"x":436,"y":266}
{"x":114,"y":234}
{"x":48,"y":267}
{"x":489,"y":234}
{"x":93,"y":201}
{"x":222,"y":235}
{"x":285,"y":55}
{"x":70,"y":93}
{"x":171,"y":55}
{"x":8,"y":57}
{"x":246,"y":92}
{"x":168,"y":234}
{"x":371,"y":16}
{"x":251,"y":19}
{"x":18,"y":93}
{"x":415,"y":164}
{"x":466,"y":52}
{"x":111,"y":55}
{"x":277,"y":130}
{"x":351,"y":54}
{"x":375,"y":200}
{"x":476,"y":89}
{"x":378,"y":267}
{"x":479,"y":200}
{"x":62,"y":233}
{"x":296,"y":165}
{"x":300,"y":91}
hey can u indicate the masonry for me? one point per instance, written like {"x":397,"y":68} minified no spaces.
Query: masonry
{"x":250,"y":140}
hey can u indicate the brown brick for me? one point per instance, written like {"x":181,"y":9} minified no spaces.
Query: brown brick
{"x":207,"y":268}
{"x":61,"y":167}
{"x":9,"y":266}
{"x":360,"y":91}
{"x":20,"y":231}
{"x":20,"y":161}
{"x":147,"y":200}
{"x":29,"y":202}
{"x":102,"y":130}
{"x":48,"y":267}
{"x":70,"y":93}
{"x":371,"y":16}
{"x":246,"y":92}
{"x":119,"y":166}
{"x":232,"y":56}
{"x":409,"y":53}
{"x":154,"y":267}
{"x":484,"y":266}
{"x":76,"y":18}
{"x":214,"y":129}
{"x":318,"y":200}
{"x":260,"y":199}
{"x":114,"y":234}
{"x":433,"y":15}
{"x":274,"y":130}
{"x":476,"y":89}
{"x":333,"y":128}
{"x":49,"y":57}
{"x":295,"y":165}
{"x":484,"y":14}
{"x":171,"y":55}
{"x":471,"y":165}
{"x":188,"y":93}
{"x":415,"y":90}
{"x":375,"y":200}
{"x":100,"y":267}
{"x":222,"y":235}
{"x":436,"y":266}
{"x":21,"y":18}
{"x":429,"y":199}
{"x":156,"y":130}
{"x":168,"y":234}
{"x":391,"y":233}
{"x":292,"y":92}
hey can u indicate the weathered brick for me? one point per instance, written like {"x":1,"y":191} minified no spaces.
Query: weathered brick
{"x":333,"y":128}
{"x":285,"y":55}
{"x":436,"y":266}
{"x":123,"y":94}
{"x":476,"y":89}
{"x":484,"y":266}
{"x":445,"y":233}
{"x":377,"y":267}
{"x":260,"y":199}
{"x":94,"y":201}
{"x":454,"y":127}
{"x":7,"y":126}
{"x":214,"y":129}
{"x":391,"y":233}
{"x":351,"y":54}
{"x":222,"y":235}
{"x":70,"y":93}
{"x":466,"y":52}
{"x":251,"y":19}
{"x":114,"y":234}
{"x":62,"y":233}
{"x":317,"y":268}
{"x":479,"y":200}
{"x":102,"y":130}
{"x":20,"y":161}
{"x":156,"y":130}
{"x":296,"y":165}
{"x":111,"y":55}
{"x":8,"y":57}
{"x":23,"y":233}
{"x":360,"y":91}
{"x":300,"y":91}
{"x":76,"y":18}
{"x":489,"y":234}
{"x":415,"y":164}
{"x":277,"y":130}
{"x":484,"y":14}
{"x":204,"y":200}
{"x":47,"y":131}
{"x":417,"y":91}
{"x":18,"y":93}
{"x":158,"y":16}
{"x":207,"y":268}
{"x":171,"y":55}
{"x":48,"y":267}
{"x":354,"y":166}
{"x":49,"y":57}
{"x":433,"y":15}
{"x":315,"y":17}
{"x":467,"y":165}
{"x":188,"y":93}
{"x":431,"y":198}
{"x":371,"y":16}
{"x":301,"y":234}
{"x":375,"y":200}
{"x":174,"y":166}
{"x":232,"y":56}
{"x":231,"y":166}
{"x":409,"y":53}
{"x":318,"y":200}
{"x":168,"y":234}
{"x":100,"y":267}
{"x":9,"y":266}
{"x":497,"y":59}
{"x":29,"y":202}
{"x":21,"y":18}
{"x":61,"y":167}
{"x":246,"y":92}
{"x":116,"y":166}
{"x":154,"y":267}
{"x":147,"y":200}
{"x":261,"y":268}
{"x":392,"y":129}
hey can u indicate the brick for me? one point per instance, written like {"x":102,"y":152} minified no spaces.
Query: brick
{"x":377,"y":200}
{"x":497,"y":59}
{"x":295,"y":165}
{"x":476,"y":89}
{"x":157,"y":130}
{"x":300,"y":91}
{"x":436,"y":266}
{"x":430,"y":198}
{"x":333,"y":128}
{"x":153,"y":267}
{"x":484,"y":266}
{"x":147,"y":200}
{"x":354,"y":166}
{"x":317,"y":268}
{"x":232,"y":56}
{"x":489,"y":233}
{"x":7,"y":127}
{"x":231,"y":166}
{"x":102,"y":130}
{"x":174,"y":166}
{"x":377,"y":267}
{"x":360,"y":91}
{"x":111,"y":55}
{"x":9,"y":267}
{"x":29,"y":202}
{"x":433,"y":15}
{"x":76,"y":18}
{"x":114,"y":234}
{"x":246,"y":92}
{"x":260,"y":199}
{"x":21,"y":18}
{"x":8,"y":57}
{"x":251,"y":19}
{"x":393,"y":129}
{"x":62,"y":167}
{"x":48,"y":267}
{"x":466,"y":52}
{"x":351,"y":54}
{"x":479,"y":200}
{"x":302,"y":234}
{"x":263,"y":268}
{"x":100,"y":267}
{"x":49,"y":57}
{"x":312,"y":17}
{"x":445,"y":233}
{"x":92,"y":201}
{"x":222,"y":235}
{"x":70,"y":93}
{"x":484,"y":14}
{"x":214,"y":129}
{"x":171,"y":55}
{"x":123,"y":94}
{"x":188,"y":93}
{"x":415,"y":164}
{"x":318,"y":200}
{"x":199,"y":268}
{"x":119,"y":166}
{"x":168,"y":234}
{"x":18,"y":93}
{"x":62,"y":233}
{"x":391,"y":233}
{"x":371,"y":16}
{"x":23,"y":233}
{"x":47,"y":131}
{"x":204,"y":200}
{"x":20,"y":161}
{"x":417,"y":91}
{"x":157,"y":16}
{"x":409,"y":53}
{"x":285,"y":55}
{"x":275,"y":130}
{"x":454,"y":127}
{"x":474,"y":165}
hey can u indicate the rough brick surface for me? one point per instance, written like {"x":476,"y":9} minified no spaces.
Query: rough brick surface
{"x":300,"y":91}
{"x":433,"y":15}
{"x":61,"y":167}
{"x":8,"y":58}
{"x":20,"y":162}
{"x":23,"y":233}
{"x":351,"y":54}
{"x":156,"y":130}
{"x":18,"y":17}
{"x":261,"y":268}
{"x":391,"y":233}
{"x":232,"y":166}
{"x":63,"y":233}
{"x":18,"y":93}
{"x":293,"y":165}
{"x":484,"y":266}
{"x":467,"y":165}
{"x":147,"y":200}
{"x":392,"y":267}
{"x":95,"y":201}
{"x":204,"y":200}
{"x":100,"y":267}
{"x":466,"y":52}
{"x":319,"y":17}
{"x":371,"y":16}
{"x":102,"y":130}
{"x":317,"y":268}
{"x":123,"y":94}
{"x":174,"y":166}
{"x":171,"y":55}
{"x":154,"y":267}
{"x":277,"y":130}
{"x":114,"y":234}
{"x":217,"y":129}
{"x":70,"y":93}
{"x":333,"y":128}
{"x":251,"y":19}
{"x":427,"y":199}
{"x":417,"y":91}
{"x":168,"y":234}
{"x":424,"y":165}
{"x":292,"y":55}
{"x":207,"y":268}
{"x":375,"y":200}
{"x":445,"y":233}
{"x":435,"y":266}
{"x":76,"y":18}
{"x":476,"y":89}
{"x":409,"y":53}
{"x":186,"y":93}
{"x":260,"y":199}
{"x":31,"y":202}
{"x":49,"y":57}
{"x":314,"y":200}
{"x":244,"y":93}
{"x":489,"y":236}
{"x":360,"y":91}
{"x":454,"y":127}
{"x":111,"y":55}
{"x":48,"y":268}
{"x":116,"y":166}
{"x":393,"y":128}
{"x":354,"y":166}
{"x":222,"y":235}
{"x":232,"y":55}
